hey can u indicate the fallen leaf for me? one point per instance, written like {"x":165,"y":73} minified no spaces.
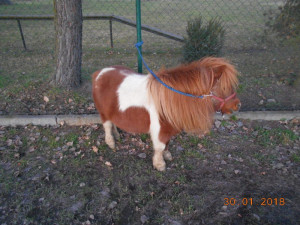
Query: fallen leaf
{"x":31,"y":149}
{"x":46,"y":99}
{"x":95,"y":149}
{"x":108,"y":164}
{"x":70,"y":143}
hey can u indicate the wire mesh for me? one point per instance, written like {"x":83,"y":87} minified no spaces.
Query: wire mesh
{"x":269,"y":67}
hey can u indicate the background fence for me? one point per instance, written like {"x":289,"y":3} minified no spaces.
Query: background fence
{"x":269,"y":66}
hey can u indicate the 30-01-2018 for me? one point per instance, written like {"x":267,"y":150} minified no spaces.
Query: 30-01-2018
{"x":252,"y":201}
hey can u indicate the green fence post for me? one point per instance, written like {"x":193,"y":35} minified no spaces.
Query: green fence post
{"x":139,"y":32}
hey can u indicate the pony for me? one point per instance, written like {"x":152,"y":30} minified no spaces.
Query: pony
{"x":138,"y":103}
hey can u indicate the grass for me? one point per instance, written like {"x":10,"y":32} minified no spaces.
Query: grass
{"x":295,"y":157}
{"x":243,"y":22}
{"x":276,"y":136}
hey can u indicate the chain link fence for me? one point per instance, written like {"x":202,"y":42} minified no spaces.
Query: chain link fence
{"x":269,"y":66}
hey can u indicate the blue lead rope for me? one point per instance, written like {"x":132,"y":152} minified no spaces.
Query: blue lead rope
{"x":138,"y":45}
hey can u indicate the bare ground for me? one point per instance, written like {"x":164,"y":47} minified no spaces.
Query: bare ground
{"x":243,"y":172}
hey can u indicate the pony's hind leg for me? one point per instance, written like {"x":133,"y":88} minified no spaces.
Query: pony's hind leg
{"x":167,"y":154}
{"x":109,"y":139}
{"x":116,"y":132}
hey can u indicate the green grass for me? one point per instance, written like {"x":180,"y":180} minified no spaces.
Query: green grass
{"x":144,"y":137}
{"x":295,"y":157}
{"x":275,"y":136}
{"x":243,"y":21}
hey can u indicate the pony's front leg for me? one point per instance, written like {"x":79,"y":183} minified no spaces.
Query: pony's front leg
{"x":109,"y":139}
{"x":158,"y":157}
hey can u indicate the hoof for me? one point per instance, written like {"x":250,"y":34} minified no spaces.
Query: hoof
{"x":168,"y":156}
{"x":110,"y":142}
{"x":161,"y":166}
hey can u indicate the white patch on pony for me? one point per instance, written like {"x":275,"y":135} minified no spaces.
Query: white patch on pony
{"x":133,"y":92}
{"x":103,"y":71}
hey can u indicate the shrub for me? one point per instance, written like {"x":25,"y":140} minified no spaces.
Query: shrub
{"x":203,"y":40}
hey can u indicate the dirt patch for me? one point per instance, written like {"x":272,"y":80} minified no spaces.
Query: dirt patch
{"x":40,"y":98}
{"x":241,"y":173}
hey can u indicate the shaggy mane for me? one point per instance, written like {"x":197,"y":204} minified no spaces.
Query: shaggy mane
{"x":190,"y":114}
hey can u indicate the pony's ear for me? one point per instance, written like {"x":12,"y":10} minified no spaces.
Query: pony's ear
{"x":218,"y":71}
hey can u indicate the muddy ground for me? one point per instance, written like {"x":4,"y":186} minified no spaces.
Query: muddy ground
{"x":243,"y":172}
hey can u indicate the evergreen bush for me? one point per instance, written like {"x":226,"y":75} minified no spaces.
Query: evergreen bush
{"x":203,"y":40}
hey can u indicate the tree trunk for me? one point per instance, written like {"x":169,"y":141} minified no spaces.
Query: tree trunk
{"x":68,"y":47}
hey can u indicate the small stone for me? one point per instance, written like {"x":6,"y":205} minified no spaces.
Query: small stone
{"x":179,"y":148}
{"x":82,"y":184}
{"x":144,"y":219}
{"x":9,"y":142}
{"x":44,"y":139}
{"x":279,"y":166}
{"x":92,"y":217}
{"x":174,"y":222}
{"x":237,"y":171}
{"x":142,"y":155}
{"x":224,"y":208}
{"x":112,"y":205}
{"x":105,"y":193}
{"x":217,"y":123}
{"x":76,"y":206}
{"x":87,"y":222}
{"x":261,"y":102}
{"x":240,"y":124}
{"x":256,"y":217}
{"x":223,"y":162}
{"x":31,"y":149}
{"x":271,"y":100}
{"x":223,"y":214}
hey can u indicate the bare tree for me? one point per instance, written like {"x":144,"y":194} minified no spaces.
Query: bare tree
{"x":68,"y":47}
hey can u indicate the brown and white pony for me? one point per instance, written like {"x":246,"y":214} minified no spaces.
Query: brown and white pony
{"x":140,"y":104}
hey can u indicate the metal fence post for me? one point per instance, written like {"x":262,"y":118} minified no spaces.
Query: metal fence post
{"x":21,"y":32}
{"x":139,"y":32}
{"x":111,"y":34}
